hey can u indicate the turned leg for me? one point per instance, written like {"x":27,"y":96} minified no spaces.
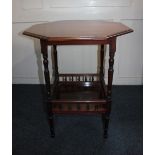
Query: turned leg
{"x":105,"y":119}
{"x":112,"y":49}
{"x":47,"y":81}
{"x":56,"y":73}
{"x":101,"y":70}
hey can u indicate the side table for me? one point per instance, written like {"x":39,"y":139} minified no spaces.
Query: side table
{"x":78,"y":93}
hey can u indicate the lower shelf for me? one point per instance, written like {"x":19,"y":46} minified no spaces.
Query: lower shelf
{"x":82,"y":106}
{"x":79,"y":94}
{"x":77,"y":112}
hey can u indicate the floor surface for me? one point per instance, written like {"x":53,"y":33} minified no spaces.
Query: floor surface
{"x":76,"y":134}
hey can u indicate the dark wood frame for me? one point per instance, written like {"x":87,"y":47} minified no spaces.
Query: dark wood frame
{"x":99,"y":106}
{"x":78,"y":33}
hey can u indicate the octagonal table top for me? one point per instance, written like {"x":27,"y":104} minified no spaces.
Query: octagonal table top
{"x":67,"y":30}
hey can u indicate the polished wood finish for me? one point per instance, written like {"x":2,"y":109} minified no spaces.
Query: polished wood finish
{"x":45,"y":62}
{"x":112,"y":49}
{"x":44,"y":52}
{"x":55,"y":69}
{"x":79,"y":93}
{"x":77,"y":32}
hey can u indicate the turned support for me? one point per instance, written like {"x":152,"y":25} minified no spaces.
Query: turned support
{"x":101,"y":72}
{"x":55,"y":61}
{"x":56,"y":73}
{"x":112,"y":49}
{"x":44,"y":52}
{"x":101,"y":60}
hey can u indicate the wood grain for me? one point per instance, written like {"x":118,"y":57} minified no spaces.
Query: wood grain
{"x":77,"y":30}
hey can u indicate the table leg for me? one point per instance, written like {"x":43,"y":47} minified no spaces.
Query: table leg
{"x":112,"y":49}
{"x":56,"y":73}
{"x":44,"y":52}
{"x":101,"y":70}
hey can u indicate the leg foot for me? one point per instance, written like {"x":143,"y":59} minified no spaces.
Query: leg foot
{"x":105,"y":121}
{"x":106,"y":124}
{"x":52,"y":134}
{"x":105,"y":134}
{"x":51,"y":123}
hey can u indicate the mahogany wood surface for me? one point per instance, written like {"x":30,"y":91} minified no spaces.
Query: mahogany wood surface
{"x":68,"y":31}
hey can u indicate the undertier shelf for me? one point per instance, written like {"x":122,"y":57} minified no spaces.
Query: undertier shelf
{"x":74,"y":106}
{"x":79,"y":93}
